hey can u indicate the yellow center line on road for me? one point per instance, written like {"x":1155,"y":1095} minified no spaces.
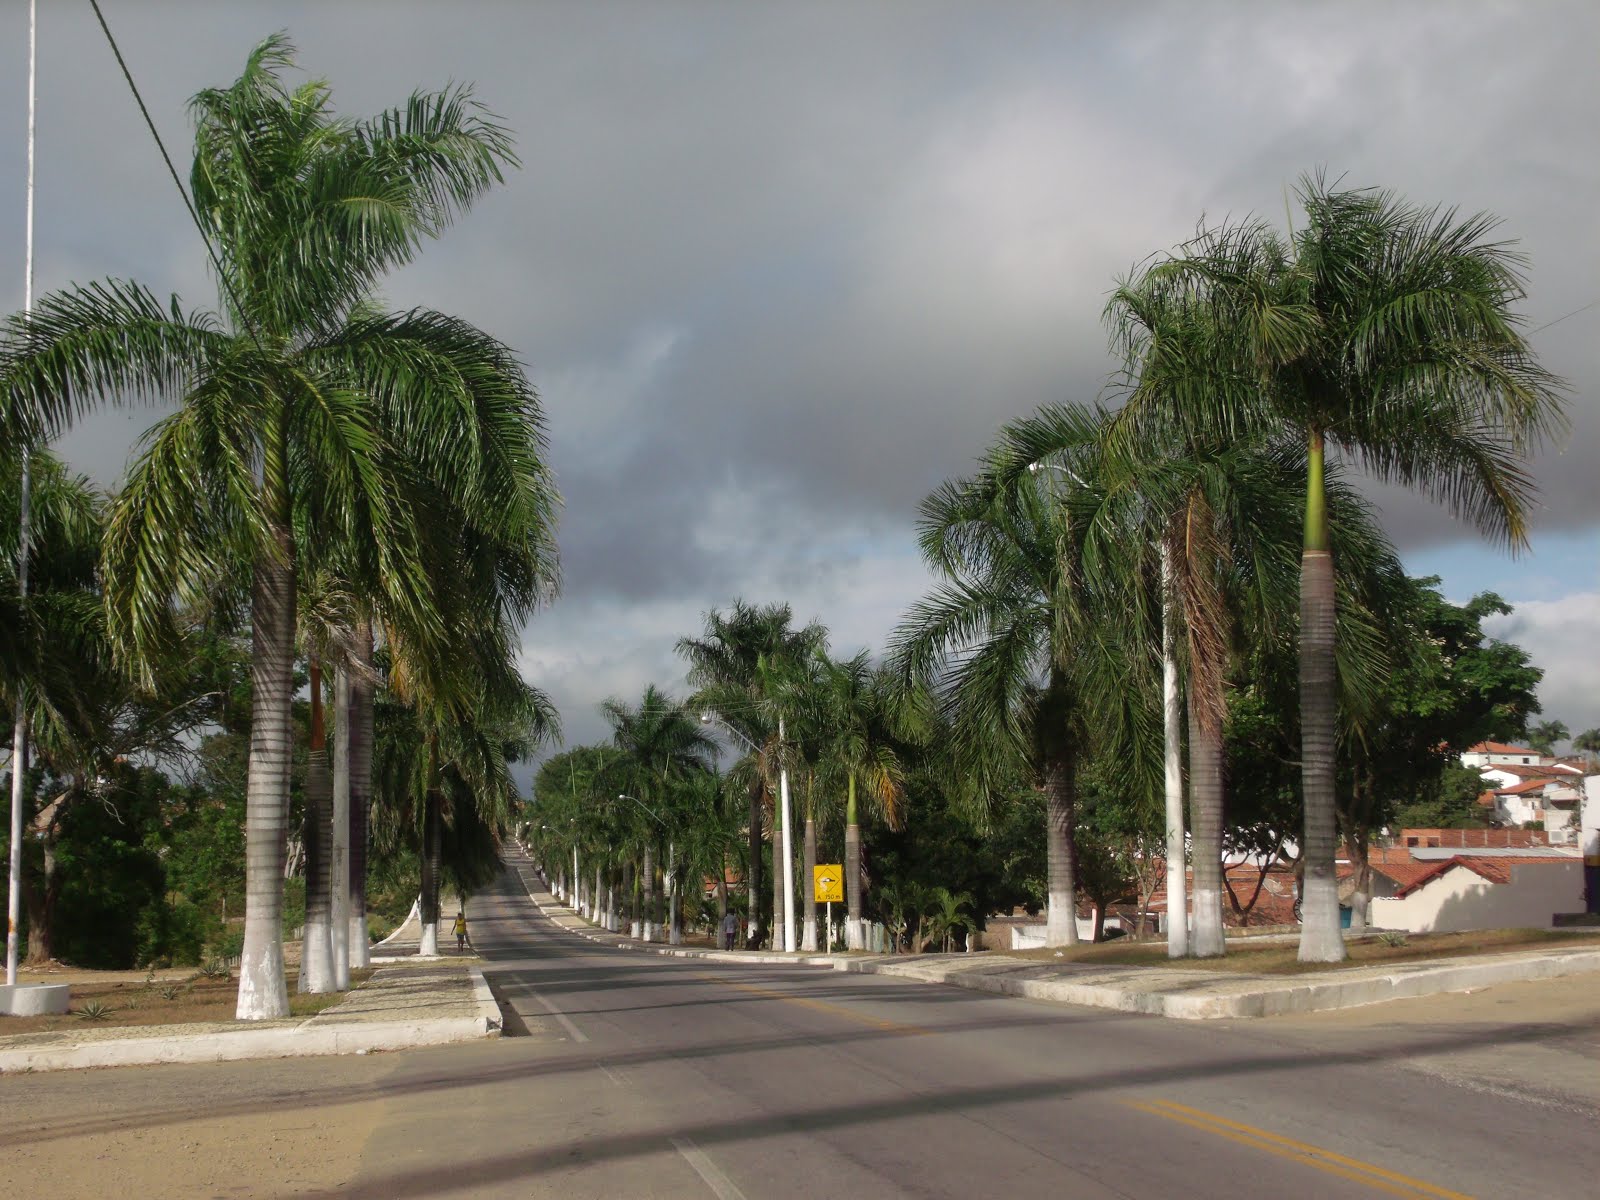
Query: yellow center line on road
{"x":837,"y":1010}
{"x":1327,"y":1161}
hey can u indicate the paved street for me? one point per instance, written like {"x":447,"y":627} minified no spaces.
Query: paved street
{"x":639,"y":1075}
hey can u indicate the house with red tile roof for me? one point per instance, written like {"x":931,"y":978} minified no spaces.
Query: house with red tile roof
{"x":1489,"y":754}
{"x":1447,"y":889}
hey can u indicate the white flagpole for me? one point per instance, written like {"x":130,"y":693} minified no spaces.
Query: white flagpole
{"x":19,"y":732}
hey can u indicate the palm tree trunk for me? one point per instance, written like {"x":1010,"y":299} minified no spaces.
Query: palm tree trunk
{"x":596,"y":913}
{"x":1205,"y":798}
{"x":779,"y":917}
{"x":339,"y":884}
{"x":754,"y":932}
{"x":316,"y":946}
{"x":853,"y":933}
{"x":630,"y":902}
{"x":1172,"y":724}
{"x":432,"y":841}
{"x":648,"y":930}
{"x":722,"y":893}
{"x":1060,"y":791}
{"x":808,"y":883}
{"x":362,"y":717}
{"x":263,"y":990}
{"x":674,"y":931}
{"x":40,"y":901}
{"x":1320,"y":939}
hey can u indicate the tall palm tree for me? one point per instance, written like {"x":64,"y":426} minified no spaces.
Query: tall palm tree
{"x":732,"y":666}
{"x":301,"y":406}
{"x":659,"y":742}
{"x":1009,"y":644}
{"x":1387,"y":331}
{"x":862,"y":719}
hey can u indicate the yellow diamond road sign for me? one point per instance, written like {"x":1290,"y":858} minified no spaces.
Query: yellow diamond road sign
{"x":829,"y":880}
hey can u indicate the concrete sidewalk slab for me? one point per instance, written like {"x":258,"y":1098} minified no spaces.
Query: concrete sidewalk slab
{"x":398,"y":1008}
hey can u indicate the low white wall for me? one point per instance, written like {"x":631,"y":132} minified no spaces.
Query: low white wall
{"x":1031,"y":937}
{"x":1460,"y":900}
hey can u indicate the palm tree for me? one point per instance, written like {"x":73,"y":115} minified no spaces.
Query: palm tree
{"x":732,"y":667}
{"x":1587,"y":743}
{"x":862,"y":717}
{"x":1387,"y":331}
{"x":445,"y":767}
{"x":1009,"y":644}
{"x":659,"y":742}
{"x":1544,"y":736}
{"x":302,"y":407}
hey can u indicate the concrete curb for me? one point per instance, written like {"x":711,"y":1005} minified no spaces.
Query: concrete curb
{"x":489,"y":1014}
{"x":230,"y":1046}
{"x":1243,"y":998}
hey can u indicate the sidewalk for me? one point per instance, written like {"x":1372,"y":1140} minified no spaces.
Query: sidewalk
{"x":428,"y":1004}
{"x":1181,"y":994}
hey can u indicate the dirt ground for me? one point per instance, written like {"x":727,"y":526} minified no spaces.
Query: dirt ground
{"x":266,"y":1128}
{"x":101,"y":999}
{"x":1279,"y":957}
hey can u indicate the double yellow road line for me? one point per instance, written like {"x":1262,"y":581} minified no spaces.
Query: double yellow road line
{"x":1378,"y":1178}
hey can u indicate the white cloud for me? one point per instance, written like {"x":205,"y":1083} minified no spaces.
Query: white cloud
{"x":1562,"y":637}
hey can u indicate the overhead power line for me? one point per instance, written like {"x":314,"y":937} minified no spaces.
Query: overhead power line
{"x":194,"y":216}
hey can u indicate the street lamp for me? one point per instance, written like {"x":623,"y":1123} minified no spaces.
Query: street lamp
{"x":706,"y":717}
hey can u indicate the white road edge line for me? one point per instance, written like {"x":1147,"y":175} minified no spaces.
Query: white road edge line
{"x":707,"y":1170}
{"x":578,"y":1035}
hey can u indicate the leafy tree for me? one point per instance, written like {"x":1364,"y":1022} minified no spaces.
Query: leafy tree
{"x":1451,"y":803}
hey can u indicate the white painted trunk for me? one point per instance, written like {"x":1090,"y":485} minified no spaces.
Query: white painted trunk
{"x":339,"y":879}
{"x":263,"y":987}
{"x":1209,"y":939}
{"x":1360,"y":906}
{"x":1320,"y":937}
{"x":430,"y":940}
{"x":648,"y":923}
{"x":1172,"y":723}
{"x":788,"y":854}
{"x":674,"y":933}
{"x":1061,"y":919}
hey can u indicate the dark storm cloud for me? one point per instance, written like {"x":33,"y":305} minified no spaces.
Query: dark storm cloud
{"x":778,"y":270}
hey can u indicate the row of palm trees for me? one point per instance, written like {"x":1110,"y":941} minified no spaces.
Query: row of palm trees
{"x":1104,"y":572}
{"x":376,"y":479}
{"x":1378,"y":329}
{"x":838,"y":729}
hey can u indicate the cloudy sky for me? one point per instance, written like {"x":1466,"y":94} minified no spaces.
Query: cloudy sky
{"x":778,"y":269}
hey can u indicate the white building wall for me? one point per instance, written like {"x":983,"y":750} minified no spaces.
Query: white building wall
{"x":1460,"y":899}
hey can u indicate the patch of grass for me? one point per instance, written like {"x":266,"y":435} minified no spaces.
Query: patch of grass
{"x":200,"y":1000}
{"x":1253,"y":957}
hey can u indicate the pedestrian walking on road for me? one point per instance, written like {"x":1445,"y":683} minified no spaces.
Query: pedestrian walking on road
{"x":730,"y":931}
{"x":460,"y":930}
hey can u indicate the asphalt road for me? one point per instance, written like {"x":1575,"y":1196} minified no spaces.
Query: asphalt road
{"x":643,"y":1076}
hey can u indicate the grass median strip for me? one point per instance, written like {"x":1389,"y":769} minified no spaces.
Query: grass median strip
{"x":1327,"y":1161}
